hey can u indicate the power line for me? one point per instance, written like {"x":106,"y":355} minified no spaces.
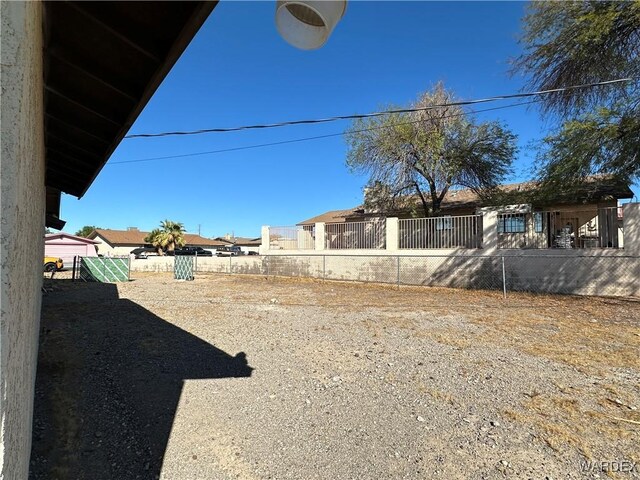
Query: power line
{"x":305,"y":139}
{"x":381,"y":113}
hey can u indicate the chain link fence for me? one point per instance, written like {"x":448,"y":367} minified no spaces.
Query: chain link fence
{"x":615,"y":275}
{"x":590,"y":275}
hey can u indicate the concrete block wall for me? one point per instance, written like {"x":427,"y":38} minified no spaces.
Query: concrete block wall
{"x":22,"y":207}
{"x":631,"y":226}
{"x":251,"y":264}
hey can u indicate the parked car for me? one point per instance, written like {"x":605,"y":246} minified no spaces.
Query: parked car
{"x":252,"y":252}
{"x":53,"y":264}
{"x":143,"y":252}
{"x":199,"y":251}
{"x":229,"y":251}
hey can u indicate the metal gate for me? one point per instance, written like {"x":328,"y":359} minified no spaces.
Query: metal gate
{"x":183,"y":267}
{"x":103,"y":269}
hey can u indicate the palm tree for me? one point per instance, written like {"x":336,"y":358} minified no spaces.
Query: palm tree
{"x":155,"y":239}
{"x":166,"y":238}
{"x":172,"y":235}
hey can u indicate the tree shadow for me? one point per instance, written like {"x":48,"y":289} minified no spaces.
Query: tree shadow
{"x":569,"y":274}
{"x":110,"y":375}
{"x":452,"y":271}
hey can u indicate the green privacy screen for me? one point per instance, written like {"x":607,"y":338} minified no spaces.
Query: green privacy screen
{"x":104,"y":269}
{"x":183,"y":267}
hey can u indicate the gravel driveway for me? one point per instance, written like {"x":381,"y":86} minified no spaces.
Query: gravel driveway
{"x":243,"y":377}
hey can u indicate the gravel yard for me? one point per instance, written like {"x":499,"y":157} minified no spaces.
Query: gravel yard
{"x":246,"y":377}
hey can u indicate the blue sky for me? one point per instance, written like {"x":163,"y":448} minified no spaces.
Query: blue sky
{"x":239,"y":71}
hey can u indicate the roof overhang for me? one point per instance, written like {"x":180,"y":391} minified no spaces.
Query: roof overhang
{"x":102,"y":63}
{"x":52,"y":214}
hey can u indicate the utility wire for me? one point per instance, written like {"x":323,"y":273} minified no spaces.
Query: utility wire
{"x":305,"y":139}
{"x":382,"y":113}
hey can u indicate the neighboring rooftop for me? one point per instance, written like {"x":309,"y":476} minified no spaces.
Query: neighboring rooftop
{"x":594,"y":190}
{"x":133,"y":236}
{"x":243,"y":241}
{"x":52,"y":237}
{"x":333,"y":216}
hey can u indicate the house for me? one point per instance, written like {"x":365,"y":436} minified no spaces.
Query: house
{"x":67,"y":246}
{"x":587,"y":217}
{"x":113,"y":243}
{"x":75,"y":76}
{"x":245,"y":244}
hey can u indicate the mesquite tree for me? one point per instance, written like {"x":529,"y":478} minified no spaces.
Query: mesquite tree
{"x":414,"y":158}
{"x":577,"y":43}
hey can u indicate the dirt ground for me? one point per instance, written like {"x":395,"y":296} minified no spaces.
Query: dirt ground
{"x":246,"y":377}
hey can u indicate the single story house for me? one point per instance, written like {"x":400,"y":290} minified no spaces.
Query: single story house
{"x":114,"y":243}
{"x":588,"y":217}
{"x":67,"y":246}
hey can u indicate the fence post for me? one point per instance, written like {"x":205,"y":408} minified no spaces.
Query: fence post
{"x":195,"y":267}
{"x":230,"y":270}
{"x":504,"y":280}
{"x":324,"y":268}
{"x":73,"y":270}
{"x":320,"y":236}
{"x":265,"y":240}
{"x":489,"y":228}
{"x":391,"y":233}
{"x":398,"y":268}
{"x":631,"y":228}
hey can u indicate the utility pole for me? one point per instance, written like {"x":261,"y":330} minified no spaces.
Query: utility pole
{"x":199,"y":230}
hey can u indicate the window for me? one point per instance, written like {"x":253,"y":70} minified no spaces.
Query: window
{"x":444,"y":223}
{"x":512,"y":223}
{"x":537,"y":222}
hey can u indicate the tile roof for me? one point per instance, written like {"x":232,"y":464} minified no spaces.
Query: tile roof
{"x":120,"y":237}
{"x":333,"y":216}
{"x":136,"y":237}
{"x":198,"y":241}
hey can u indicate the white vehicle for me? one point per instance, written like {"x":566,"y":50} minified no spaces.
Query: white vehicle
{"x":229,"y":252}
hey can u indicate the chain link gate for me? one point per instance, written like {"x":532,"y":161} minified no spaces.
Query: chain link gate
{"x":183,"y":267}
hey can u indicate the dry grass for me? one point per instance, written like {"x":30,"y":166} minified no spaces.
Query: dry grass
{"x":589,"y":339}
{"x":599,"y":337}
{"x":564,"y":422}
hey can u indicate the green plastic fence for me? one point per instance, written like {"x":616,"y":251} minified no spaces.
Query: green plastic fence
{"x":104,"y":269}
{"x":183,"y":267}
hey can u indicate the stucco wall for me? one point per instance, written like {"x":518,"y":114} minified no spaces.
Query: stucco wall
{"x":107,"y":250}
{"x":22,"y":208}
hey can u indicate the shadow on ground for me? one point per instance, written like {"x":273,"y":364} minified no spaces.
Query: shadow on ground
{"x":110,"y":375}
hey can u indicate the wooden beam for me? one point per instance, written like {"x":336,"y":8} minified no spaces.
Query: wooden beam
{"x":79,"y":129}
{"x":72,"y":146}
{"x":58,"y":54}
{"x":146,"y":52}
{"x":81,"y":105}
